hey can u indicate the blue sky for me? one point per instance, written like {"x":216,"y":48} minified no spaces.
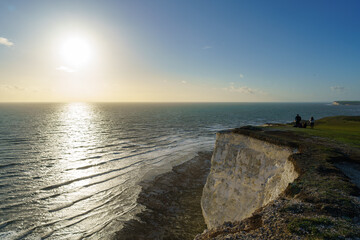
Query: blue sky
{"x":183,"y":50}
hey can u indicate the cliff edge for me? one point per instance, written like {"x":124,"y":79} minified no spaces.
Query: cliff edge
{"x":246,"y":174}
{"x":280,"y":183}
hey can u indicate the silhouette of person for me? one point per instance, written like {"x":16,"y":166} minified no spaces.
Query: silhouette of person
{"x":297,"y":120}
{"x":312,"y":122}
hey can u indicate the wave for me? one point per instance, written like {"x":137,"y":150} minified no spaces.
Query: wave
{"x":10,"y":165}
{"x":5,"y":223}
{"x":71,"y":220}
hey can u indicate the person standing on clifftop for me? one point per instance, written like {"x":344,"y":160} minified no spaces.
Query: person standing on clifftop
{"x":312,"y":122}
{"x":297,"y":120}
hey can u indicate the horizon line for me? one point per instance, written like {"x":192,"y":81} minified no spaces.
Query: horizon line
{"x":4,"y":102}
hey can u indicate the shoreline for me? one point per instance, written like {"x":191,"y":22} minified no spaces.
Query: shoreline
{"x":172,"y":203}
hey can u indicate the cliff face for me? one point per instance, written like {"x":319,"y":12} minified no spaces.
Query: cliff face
{"x":246,"y":174}
{"x":251,"y":166}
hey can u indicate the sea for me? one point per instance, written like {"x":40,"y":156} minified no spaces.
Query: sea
{"x":72,"y":170}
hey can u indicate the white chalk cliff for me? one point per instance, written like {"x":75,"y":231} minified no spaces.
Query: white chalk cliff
{"x":246,"y":174}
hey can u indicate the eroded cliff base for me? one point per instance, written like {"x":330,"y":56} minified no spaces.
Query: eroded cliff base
{"x":322,"y":203}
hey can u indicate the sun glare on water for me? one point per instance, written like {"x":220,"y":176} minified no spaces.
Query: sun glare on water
{"x":76,"y":52}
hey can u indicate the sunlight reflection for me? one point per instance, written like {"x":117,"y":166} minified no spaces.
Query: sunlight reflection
{"x":77,"y":125}
{"x":77,"y":122}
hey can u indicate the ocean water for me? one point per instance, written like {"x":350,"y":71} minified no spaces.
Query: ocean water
{"x":71,"y":170}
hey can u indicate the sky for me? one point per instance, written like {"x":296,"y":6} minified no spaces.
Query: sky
{"x":179,"y":51}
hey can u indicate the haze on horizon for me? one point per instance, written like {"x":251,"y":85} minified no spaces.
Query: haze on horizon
{"x":179,"y":51}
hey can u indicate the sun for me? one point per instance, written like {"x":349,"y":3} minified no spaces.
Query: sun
{"x":76,"y":52}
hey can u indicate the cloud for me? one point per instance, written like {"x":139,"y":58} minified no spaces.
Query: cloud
{"x":242,"y":89}
{"x":184,"y":82}
{"x":65,"y":69}
{"x":337,"y":88}
{"x":207,"y":47}
{"x":241,"y":76}
{"x":12,"y":87}
{"x":16,"y":89}
{"x":6,"y":42}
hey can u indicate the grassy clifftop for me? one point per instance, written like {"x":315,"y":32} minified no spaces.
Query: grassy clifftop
{"x":323,"y":202}
{"x":344,"y":129}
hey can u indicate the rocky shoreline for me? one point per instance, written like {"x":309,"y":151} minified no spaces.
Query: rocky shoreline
{"x":172,"y":203}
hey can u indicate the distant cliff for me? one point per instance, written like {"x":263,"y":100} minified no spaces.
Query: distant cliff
{"x":346,"y":103}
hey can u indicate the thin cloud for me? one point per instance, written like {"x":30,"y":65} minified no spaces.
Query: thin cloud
{"x":241,"y":76}
{"x":242,"y":89}
{"x":17,"y":88}
{"x":207,"y":47}
{"x":184,"y":82}
{"x":6,"y":42}
{"x":65,"y":69}
{"x":337,"y":88}
{"x":12,"y":87}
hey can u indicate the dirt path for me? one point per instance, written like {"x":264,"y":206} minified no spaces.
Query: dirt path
{"x":352,"y":170}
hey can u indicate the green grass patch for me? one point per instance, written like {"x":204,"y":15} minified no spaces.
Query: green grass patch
{"x":321,"y":228}
{"x":306,"y":226}
{"x":345,"y":129}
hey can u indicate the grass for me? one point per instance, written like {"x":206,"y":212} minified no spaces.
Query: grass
{"x":344,"y":129}
{"x":321,"y":228}
{"x":309,"y":225}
